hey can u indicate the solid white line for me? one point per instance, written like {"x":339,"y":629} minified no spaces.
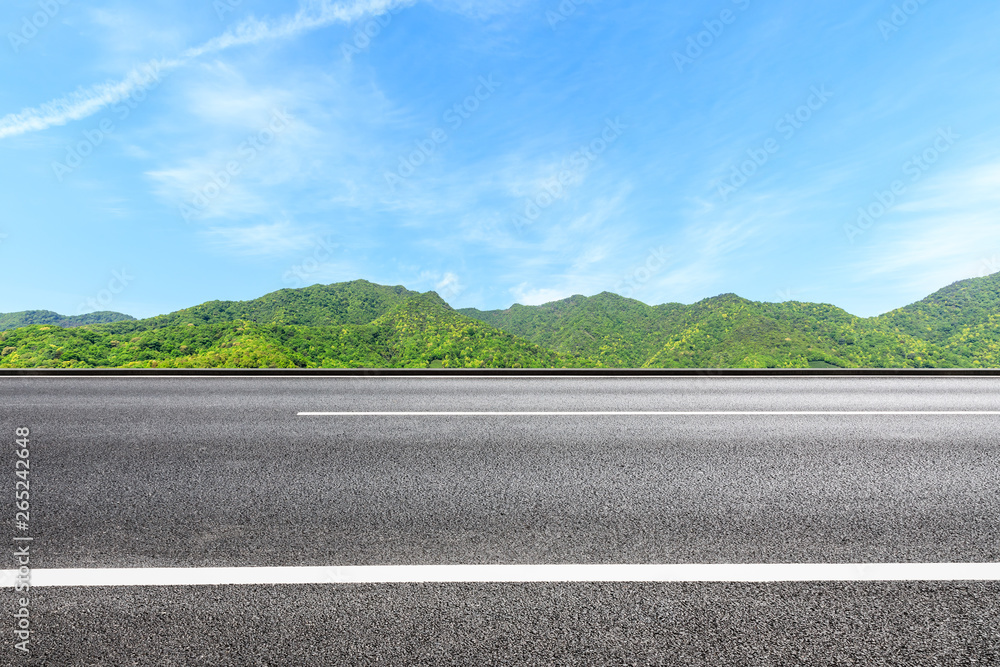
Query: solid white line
{"x":398,"y":574}
{"x":629,"y":413}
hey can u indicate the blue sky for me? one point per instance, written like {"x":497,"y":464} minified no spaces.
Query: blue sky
{"x":161,"y":154}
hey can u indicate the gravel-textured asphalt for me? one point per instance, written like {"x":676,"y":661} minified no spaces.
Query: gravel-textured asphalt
{"x":189,"y":472}
{"x":703,"y":625}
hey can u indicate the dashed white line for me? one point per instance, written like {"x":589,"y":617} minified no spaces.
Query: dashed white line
{"x":553,"y":573}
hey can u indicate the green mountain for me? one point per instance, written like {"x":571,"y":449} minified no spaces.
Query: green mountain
{"x":362,"y":325}
{"x":611,"y":329}
{"x":346,"y":325}
{"x":26,"y":318}
{"x":727,"y":332}
{"x":356,"y":302}
{"x":963,"y":318}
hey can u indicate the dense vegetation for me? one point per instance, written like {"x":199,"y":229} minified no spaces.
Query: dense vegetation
{"x":26,"y":318}
{"x":356,"y":302}
{"x":348,"y":325}
{"x":722,"y":332}
{"x":360,"y":324}
{"x":963,"y":318}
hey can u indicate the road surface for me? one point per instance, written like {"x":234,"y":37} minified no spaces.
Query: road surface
{"x":130,"y":475}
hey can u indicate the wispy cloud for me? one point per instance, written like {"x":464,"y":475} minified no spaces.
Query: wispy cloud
{"x":706,"y":261}
{"x":275,"y":239}
{"x":254,"y":146}
{"x":311,"y":16}
{"x":943,"y":235}
{"x":479,"y":9}
{"x":85,"y":102}
{"x":585,"y":254}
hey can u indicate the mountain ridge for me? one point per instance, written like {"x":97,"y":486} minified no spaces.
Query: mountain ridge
{"x":362,"y":324}
{"x":344,"y":325}
{"x":29,"y":317}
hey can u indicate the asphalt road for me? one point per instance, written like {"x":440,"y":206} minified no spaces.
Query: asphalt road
{"x":199,"y":472}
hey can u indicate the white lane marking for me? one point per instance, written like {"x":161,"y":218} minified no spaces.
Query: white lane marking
{"x":396,"y":574}
{"x":628,"y":413}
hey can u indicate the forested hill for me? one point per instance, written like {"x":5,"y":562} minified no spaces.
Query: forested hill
{"x":26,"y":318}
{"x":963,"y":318}
{"x":721,"y":332}
{"x":346,"y":325}
{"x":611,"y":329}
{"x":360,"y":324}
{"x":967,"y":303}
{"x":355,"y":302}
{"x":958,"y":326}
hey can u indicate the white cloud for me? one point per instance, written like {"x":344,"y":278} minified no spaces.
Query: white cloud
{"x":480,"y":9}
{"x":449,"y":283}
{"x":312,"y":15}
{"x":88,"y":101}
{"x":585,"y":254}
{"x":194,"y":190}
{"x":233,"y":177}
{"x":276,"y":239}
{"x":949,"y":231}
{"x":526,"y":295}
{"x":83,"y":102}
{"x":706,"y":254}
{"x":129,"y":33}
